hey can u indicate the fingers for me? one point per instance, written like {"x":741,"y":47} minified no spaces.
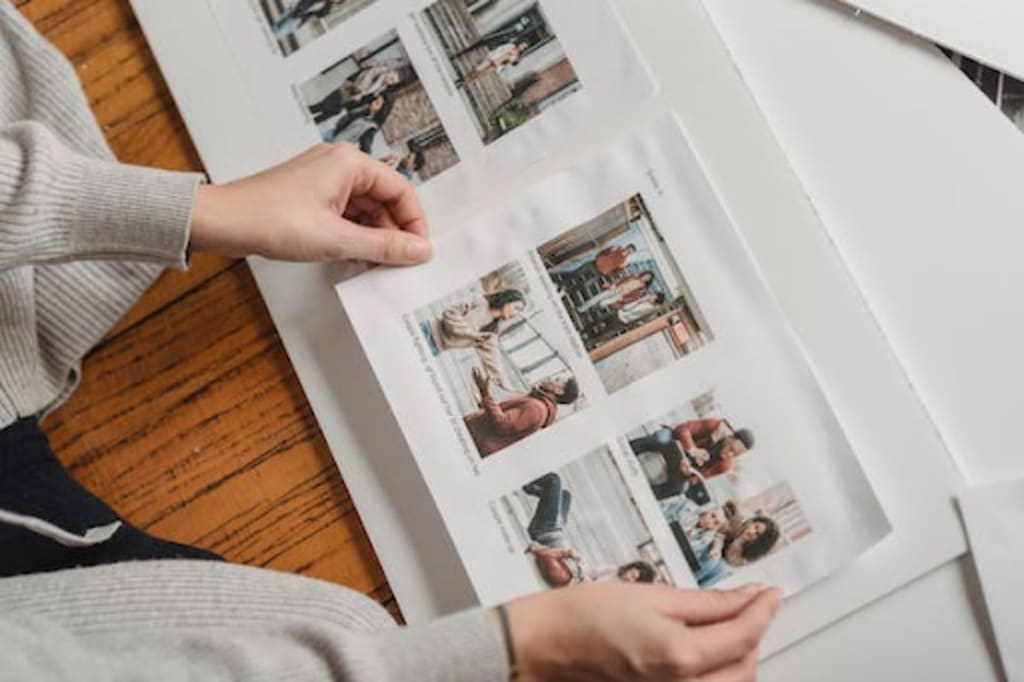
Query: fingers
{"x":385,"y":247}
{"x":720,"y":644}
{"x":743,"y":670}
{"x":699,"y":607}
{"x":377,"y":182}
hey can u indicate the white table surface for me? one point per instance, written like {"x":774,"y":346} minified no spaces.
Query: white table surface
{"x":923,"y":202}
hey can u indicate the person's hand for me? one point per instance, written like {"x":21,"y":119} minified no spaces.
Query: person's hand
{"x":331,"y":203}
{"x":700,"y":456}
{"x":614,"y":632}
{"x":482,"y":381}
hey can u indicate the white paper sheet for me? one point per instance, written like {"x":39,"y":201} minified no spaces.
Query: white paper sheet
{"x":578,"y":68}
{"x":994,"y":515}
{"x":736,"y":365}
{"x":988,"y":30}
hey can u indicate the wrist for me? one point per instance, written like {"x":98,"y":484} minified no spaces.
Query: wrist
{"x":212,"y":218}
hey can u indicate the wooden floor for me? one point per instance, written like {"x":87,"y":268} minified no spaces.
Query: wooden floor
{"x":190,"y":420}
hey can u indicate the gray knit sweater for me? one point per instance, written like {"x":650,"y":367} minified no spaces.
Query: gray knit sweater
{"x":81,"y":236}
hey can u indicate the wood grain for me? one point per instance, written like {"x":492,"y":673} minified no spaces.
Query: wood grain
{"x":190,"y":420}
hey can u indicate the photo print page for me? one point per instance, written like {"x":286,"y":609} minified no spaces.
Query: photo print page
{"x":596,"y":385}
{"x":454,"y":94}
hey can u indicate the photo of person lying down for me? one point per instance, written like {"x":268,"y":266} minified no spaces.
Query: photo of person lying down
{"x":501,"y":359}
{"x":580,"y":524}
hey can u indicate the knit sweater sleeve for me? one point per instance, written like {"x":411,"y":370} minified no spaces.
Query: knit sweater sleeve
{"x":57,"y":205}
{"x":210,"y":621}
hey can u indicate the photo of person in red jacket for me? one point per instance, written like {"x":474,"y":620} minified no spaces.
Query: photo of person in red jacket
{"x":497,"y":425}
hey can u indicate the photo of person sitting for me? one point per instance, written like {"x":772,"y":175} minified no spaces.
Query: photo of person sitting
{"x":300,"y":12}
{"x":749,"y":541}
{"x":708,"y":446}
{"x":476,"y":324}
{"x":497,"y":425}
{"x":558,"y":563}
{"x":620,"y":292}
{"x":609,"y":261}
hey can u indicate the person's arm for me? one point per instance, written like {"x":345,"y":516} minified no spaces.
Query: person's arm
{"x":329,"y":203}
{"x":686,"y":432}
{"x":57,"y":205}
{"x":505,"y":422}
{"x":455,"y":321}
{"x":222,"y":623}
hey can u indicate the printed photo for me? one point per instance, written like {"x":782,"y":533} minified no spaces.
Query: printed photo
{"x":580,"y":524}
{"x":504,"y":59}
{"x":1006,"y":92}
{"x":625,"y":294}
{"x":296,"y":23}
{"x":374,"y":99}
{"x":723,"y":505}
{"x":494,"y":347}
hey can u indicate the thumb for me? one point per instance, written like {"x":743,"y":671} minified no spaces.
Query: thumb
{"x":700,"y":607}
{"x":386,"y":247}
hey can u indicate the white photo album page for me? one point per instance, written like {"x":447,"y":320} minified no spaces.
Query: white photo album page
{"x":454,"y":95}
{"x":596,"y":385}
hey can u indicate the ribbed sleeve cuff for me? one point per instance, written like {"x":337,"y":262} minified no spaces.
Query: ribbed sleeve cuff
{"x":131,"y":213}
{"x":466,"y":646}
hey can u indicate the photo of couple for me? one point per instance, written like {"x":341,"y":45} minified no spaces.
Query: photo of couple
{"x":374,"y":100}
{"x":701,"y":470}
{"x":296,"y":23}
{"x":580,"y":524}
{"x":624,"y":294}
{"x":504,"y":59}
{"x":493,"y":348}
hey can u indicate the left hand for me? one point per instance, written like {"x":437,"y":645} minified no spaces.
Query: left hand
{"x":330,"y":203}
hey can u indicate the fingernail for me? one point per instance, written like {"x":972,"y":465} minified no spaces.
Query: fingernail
{"x":418,"y":250}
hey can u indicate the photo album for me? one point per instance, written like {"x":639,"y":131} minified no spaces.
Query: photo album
{"x":613,"y":370}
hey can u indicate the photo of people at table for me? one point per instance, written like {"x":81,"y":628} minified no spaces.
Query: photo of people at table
{"x":494,"y":349}
{"x":503,"y":58}
{"x":374,"y":100}
{"x":580,"y":524}
{"x":725,"y":508}
{"x":296,"y":23}
{"x":625,"y":294}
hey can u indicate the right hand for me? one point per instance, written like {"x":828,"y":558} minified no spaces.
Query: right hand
{"x":700,"y":456}
{"x":616,"y":632}
{"x":330,"y":203}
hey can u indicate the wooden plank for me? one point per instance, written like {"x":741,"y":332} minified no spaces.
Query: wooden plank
{"x":193,"y":426}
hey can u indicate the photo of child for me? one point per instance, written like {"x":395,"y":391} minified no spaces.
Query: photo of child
{"x":374,"y":99}
{"x":625,"y":294}
{"x":504,"y":59}
{"x":580,"y":524}
{"x":494,"y":350}
{"x":697,"y":466}
{"x":296,"y":23}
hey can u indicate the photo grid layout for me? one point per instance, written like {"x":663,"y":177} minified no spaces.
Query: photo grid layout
{"x":373,"y":98}
{"x":625,"y":294}
{"x":504,"y":59}
{"x":500,"y":359}
{"x":297,"y":23}
{"x":717,"y":491}
{"x":581,"y":524}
